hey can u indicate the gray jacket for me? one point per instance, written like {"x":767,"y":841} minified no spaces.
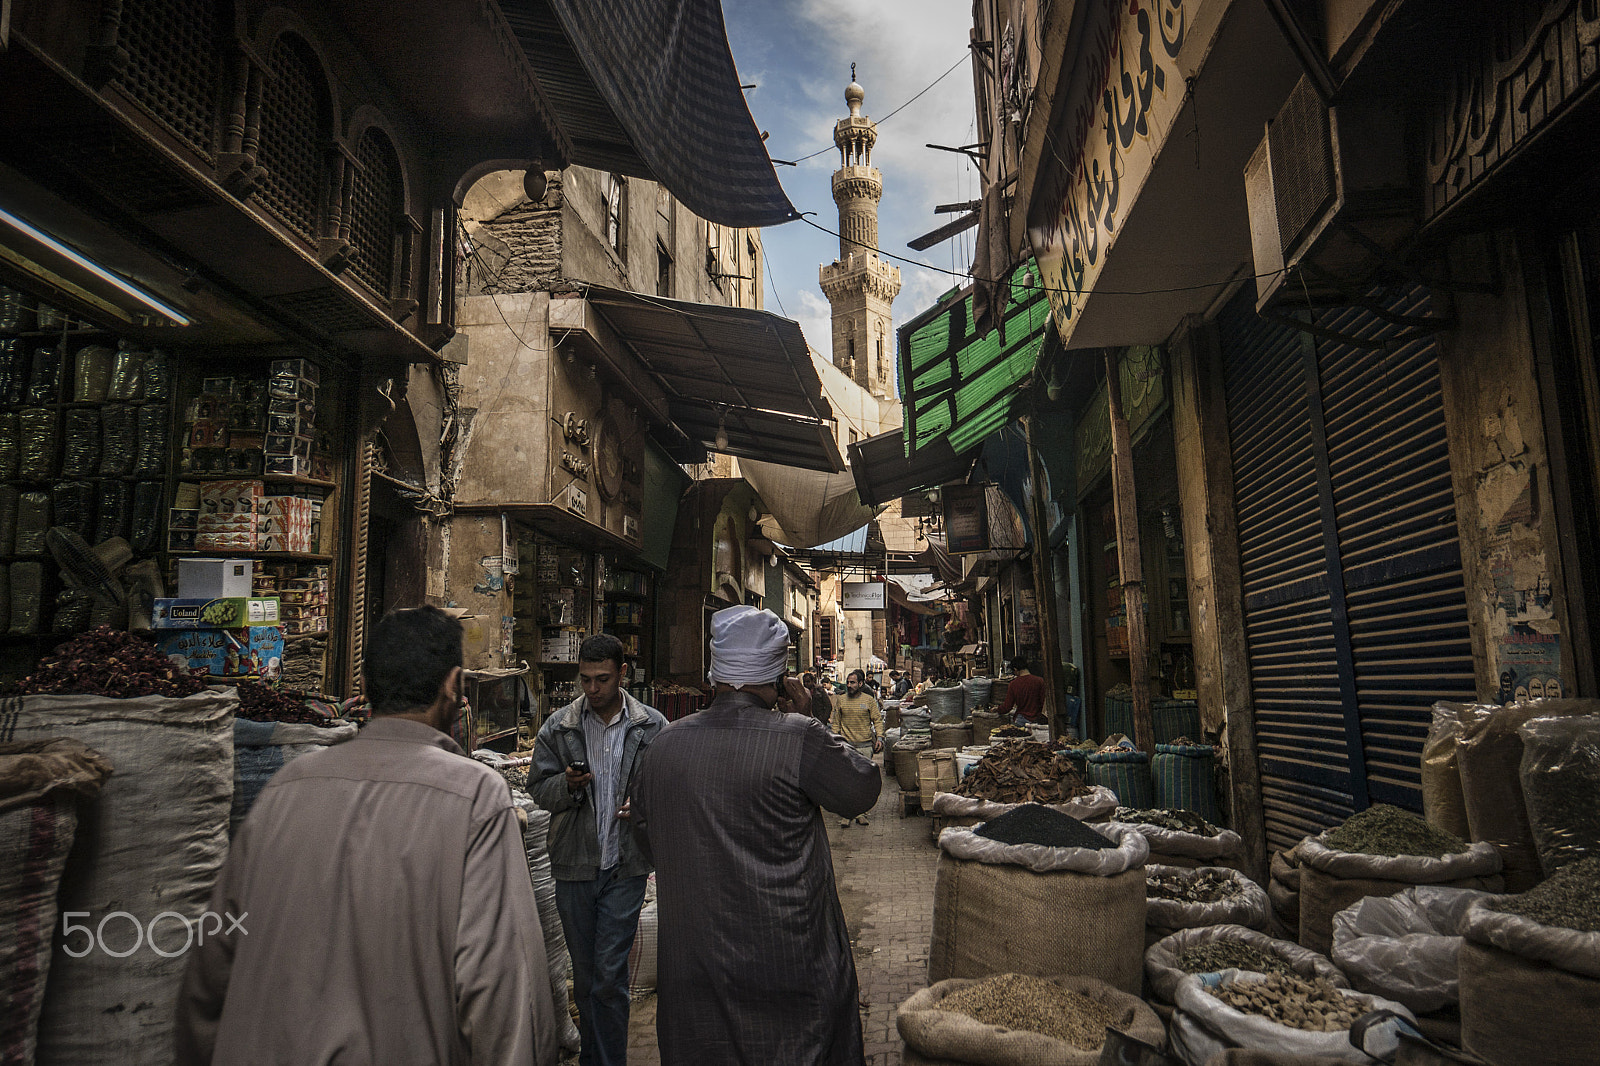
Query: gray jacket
{"x":574,"y":840}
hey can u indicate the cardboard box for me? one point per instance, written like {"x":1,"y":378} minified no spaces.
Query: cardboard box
{"x":287,"y":388}
{"x":226,"y":542}
{"x":223,"y":613}
{"x":242,"y":497}
{"x":286,"y":466}
{"x":254,"y":651}
{"x":212,"y":579}
{"x":296,"y":368}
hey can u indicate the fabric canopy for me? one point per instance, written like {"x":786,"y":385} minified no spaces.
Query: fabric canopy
{"x":808,"y":507}
{"x":918,"y":593}
{"x":648,"y":88}
{"x":883,"y":473}
{"x":957,"y":386}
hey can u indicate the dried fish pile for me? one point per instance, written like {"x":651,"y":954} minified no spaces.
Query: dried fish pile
{"x":1023,"y":771}
{"x":1297,"y":1002}
{"x":1192,"y":886}
{"x":1017,"y":1001}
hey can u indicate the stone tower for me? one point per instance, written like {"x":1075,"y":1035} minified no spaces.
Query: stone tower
{"x":860,"y":285}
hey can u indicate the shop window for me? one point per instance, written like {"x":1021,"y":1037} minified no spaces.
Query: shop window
{"x":293,"y":137}
{"x":172,"y":70}
{"x":616,"y":208}
{"x":375,"y":209}
{"x":883,"y":365}
{"x":825,"y":638}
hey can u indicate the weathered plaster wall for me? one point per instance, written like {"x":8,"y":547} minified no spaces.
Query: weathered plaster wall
{"x":475,"y":583}
{"x":501,"y":444}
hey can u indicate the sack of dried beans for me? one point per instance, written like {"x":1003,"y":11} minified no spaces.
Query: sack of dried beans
{"x":1212,"y":949}
{"x":1285,"y":1014}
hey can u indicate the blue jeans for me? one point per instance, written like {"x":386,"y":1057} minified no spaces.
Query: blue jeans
{"x":599,"y":919}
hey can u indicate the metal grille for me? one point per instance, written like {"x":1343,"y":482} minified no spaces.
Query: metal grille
{"x":173,"y":66}
{"x":293,"y":138}
{"x":374,"y":212}
{"x":1300,"y":141}
{"x":327,"y":310}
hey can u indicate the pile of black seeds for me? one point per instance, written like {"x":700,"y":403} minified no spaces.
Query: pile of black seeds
{"x":1192,"y":886}
{"x":1032,"y":823}
{"x":1569,"y":900}
{"x":1223,"y":954}
{"x":1385,"y":830}
{"x":1168,"y":818}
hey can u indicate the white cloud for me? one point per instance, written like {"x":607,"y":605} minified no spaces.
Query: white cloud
{"x":816,"y":321}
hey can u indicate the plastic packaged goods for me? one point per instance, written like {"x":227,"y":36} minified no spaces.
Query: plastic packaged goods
{"x":157,"y":378}
{"x":13,"y":368}
{"x":33,"y":522}
{"x":72,"y":505}
{"x":1561,"y":784}
{"x":147,"y":500}
{"x":9,"y":494}
{"x":151,"y":454}
{"x":27,"y":590}
{"x":80,"y":455}
{"x":44,"y":382}
{"x":118,"y":441}
{"x":10,"y":445}
{"x":91,"y":373}
{"x":114,"y":512}
{"x":1443,"y":803}
{"x":36,"y":439}
{"x":126,"y":374}
{"x":16,"y":311}
{"x":73,"y":607}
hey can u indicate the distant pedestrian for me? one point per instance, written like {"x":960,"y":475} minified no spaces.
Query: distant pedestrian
{"x":901,"y":685}
{"x":1024,"y":696}
{"x":584,"y":763}
{"x":385,"y":907}
{"x":821,"y":704}
{"x":860,"y":721}
{"x":754,"y":962}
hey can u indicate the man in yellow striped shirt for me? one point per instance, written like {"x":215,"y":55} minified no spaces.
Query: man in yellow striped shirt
{"x":858,"y":718}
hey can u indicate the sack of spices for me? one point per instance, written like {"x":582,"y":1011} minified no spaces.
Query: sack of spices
{"x":1530,"y":972}
{"x":1183,"y":838}
{"x":1011,"y":1019}
{"x":1212,"y":949}
{"x":1184,"y":897}
{"x":1284,"y":1014}
{"x":36,"y":441}
{"x":1382,"y":851}
{"x":1561,"y":785}
{"x":1184,"y":776}
{"x":1038,"y":892}
{"x":42,"y":783}
{"x":1443,"y":803}
{"x":1405,"y":946}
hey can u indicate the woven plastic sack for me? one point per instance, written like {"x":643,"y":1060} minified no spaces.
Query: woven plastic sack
{"x":91,"y":373}
{"x":150,"y":456}
{"x":1249,"y":907}
{"x":118,"y":440}
{"x":978,"y":690}
{"x":1161,"y":958}
{"x":1203,"y":1025}
{"x":1127,"y":773}
{"x":1516,"y":1011}
{"x":1093,"y":805}
{"x":951,"y":1036}
{"x":535,"y":840}
{"x":1174,"y":720}
{"x":1332,"y":880}
{"x":1184,"y":776}
{"x":947,"y":702}
{"x":1405,"y":946}
{"x":642,"y":958}
{"x":153,"y":842}
{"x":261,"y":749}
{"x":42,"y":783}
{"x":951,"y":736}
{"x":1025,"y":908}
{"x":1443,"y":803}
{"x":27,"y":598}
{"x":1560,"y":774}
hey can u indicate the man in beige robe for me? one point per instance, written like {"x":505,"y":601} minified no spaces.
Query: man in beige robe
{"x":385,"y":912}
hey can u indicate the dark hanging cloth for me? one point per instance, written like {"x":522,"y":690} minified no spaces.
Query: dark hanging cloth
{"x":991,"y":263}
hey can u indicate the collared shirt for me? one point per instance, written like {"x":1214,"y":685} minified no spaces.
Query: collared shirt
{"x":604,"y":744}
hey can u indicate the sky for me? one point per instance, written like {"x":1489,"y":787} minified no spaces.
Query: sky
{"x":798,"y":54}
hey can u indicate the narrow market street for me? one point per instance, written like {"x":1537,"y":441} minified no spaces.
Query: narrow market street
{"x":885,"y":874}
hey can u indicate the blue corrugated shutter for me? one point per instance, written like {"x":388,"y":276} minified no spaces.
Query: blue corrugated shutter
{"x":1355,"y":612}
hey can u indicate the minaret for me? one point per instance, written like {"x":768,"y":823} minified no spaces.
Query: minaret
{"x":859,"y":284}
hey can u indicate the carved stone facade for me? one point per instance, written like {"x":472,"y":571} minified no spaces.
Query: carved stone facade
{"x":860,"y":285}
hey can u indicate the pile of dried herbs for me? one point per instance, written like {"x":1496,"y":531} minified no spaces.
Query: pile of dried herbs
{"x":1385,"y":830}
{"x":1168,"y":818}
{"x":1235,"y":954}
{"x":1570,"y":899}
{"x":110,"y":662}
{"x":1023,"y":771}
{"x":1201,"y":885}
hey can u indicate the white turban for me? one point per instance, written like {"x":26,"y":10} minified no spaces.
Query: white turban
{"x":749,"y":646}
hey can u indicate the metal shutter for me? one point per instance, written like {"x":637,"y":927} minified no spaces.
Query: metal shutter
{"x":1355,"y":612}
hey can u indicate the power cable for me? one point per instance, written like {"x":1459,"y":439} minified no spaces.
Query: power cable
{"x":890,"y":115}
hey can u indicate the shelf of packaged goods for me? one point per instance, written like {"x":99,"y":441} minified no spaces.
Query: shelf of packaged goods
{"x":246,"y":553}
{"x":611,"y":594}
{"x":270,"y":479}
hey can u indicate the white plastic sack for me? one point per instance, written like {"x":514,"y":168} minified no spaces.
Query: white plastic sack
{"x":1480,"y":860}
{"x":1203,"y":849}
{"x":1249,"y":907}
{"x":642,"y":965}
{"x":1130,"y":852}
{"x":535,"y":837}
{"x":1406,"y":947}
{"x":1565,"y":949}
{"x":1231,"y":1028}
{"x":1085,"y":808}
{"x":1161,"y":958}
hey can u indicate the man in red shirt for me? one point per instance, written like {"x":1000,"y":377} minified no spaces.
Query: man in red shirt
{"x":1025,"y":695}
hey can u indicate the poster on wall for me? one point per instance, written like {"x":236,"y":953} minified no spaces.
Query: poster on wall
{"x":1530,"y":665}
{"x":865,"y":595}
{"x":966,"y":518}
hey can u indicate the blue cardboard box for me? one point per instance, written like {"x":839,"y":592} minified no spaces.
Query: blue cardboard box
{"x":254,"y":651}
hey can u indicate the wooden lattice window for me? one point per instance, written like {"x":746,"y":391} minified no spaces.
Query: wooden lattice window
{"x":375,"y":212}
{"x":294,"y":137}
{"x":824,"y":638}
{"x":173,"y":65}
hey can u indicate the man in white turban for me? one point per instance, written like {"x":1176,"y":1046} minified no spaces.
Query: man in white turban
{"x":754,"y":961}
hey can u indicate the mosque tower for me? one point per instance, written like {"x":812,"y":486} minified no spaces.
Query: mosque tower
{"x":859,"y":284}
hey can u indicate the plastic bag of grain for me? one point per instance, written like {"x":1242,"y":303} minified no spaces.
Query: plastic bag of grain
{"x":1039,"y":909}
{"x":42,"y":783}
{"x":1163,"y":960}
{"x":933,"y":1025}
{"x":1443,"y":803}
{"x":535,"y":839}
{"x":172,"y":786}
{"x":1560,"y":773}
{"x":1405,"y":946}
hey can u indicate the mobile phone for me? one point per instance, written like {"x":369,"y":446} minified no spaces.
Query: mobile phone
{"x":579,"y":765}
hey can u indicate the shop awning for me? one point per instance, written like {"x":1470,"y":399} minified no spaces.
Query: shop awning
{"x":807,"y":507}
{"x":745,"y":372}
{"x":957,"y":386}
{"x":648,"y":88}
{"x":883,"y":472}
{"x":918,"y":593}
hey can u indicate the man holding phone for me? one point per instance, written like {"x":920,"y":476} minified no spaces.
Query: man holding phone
{"x":584,"y":761}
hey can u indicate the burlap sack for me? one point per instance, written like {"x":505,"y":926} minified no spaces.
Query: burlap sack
{"x":1443,"y":803}
{"x":1489,"y":755}
{"x":1251,"y":1057}
{"x":951,"y":736}
{"x":1172,"y":847}
{"x":1089,"y":807}
{"x":1517,"y":1012}
{"x":905,"y":765}
{"x":945,"y":1035}
{"x":1161,"y":958}
{"x":990,"y":919}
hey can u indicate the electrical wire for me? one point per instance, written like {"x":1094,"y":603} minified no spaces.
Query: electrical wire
{"x":892,"y":114}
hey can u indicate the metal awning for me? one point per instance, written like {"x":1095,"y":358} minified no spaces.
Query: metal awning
{"x":744,"y":372}
{"x":648,"y":88}
{"x":883,"y":472}
{"x":957,"y":386}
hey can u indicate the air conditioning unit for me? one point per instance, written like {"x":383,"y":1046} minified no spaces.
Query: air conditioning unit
{"x":1328,"y":199}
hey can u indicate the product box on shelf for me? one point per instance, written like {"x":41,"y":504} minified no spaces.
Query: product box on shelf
{"x":287,"y":466}
{"x":560,"y":647}
{"x":295,"y":368}
{"x":213,"y":579}
{"x":231,"y":612}
{"x":252,"y":651}
{"x":241,"y":497}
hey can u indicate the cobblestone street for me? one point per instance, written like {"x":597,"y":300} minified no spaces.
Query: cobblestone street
{"x":885,"y":874}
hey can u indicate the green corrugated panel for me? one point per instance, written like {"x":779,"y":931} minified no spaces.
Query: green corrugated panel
{"x":962,"y":387}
